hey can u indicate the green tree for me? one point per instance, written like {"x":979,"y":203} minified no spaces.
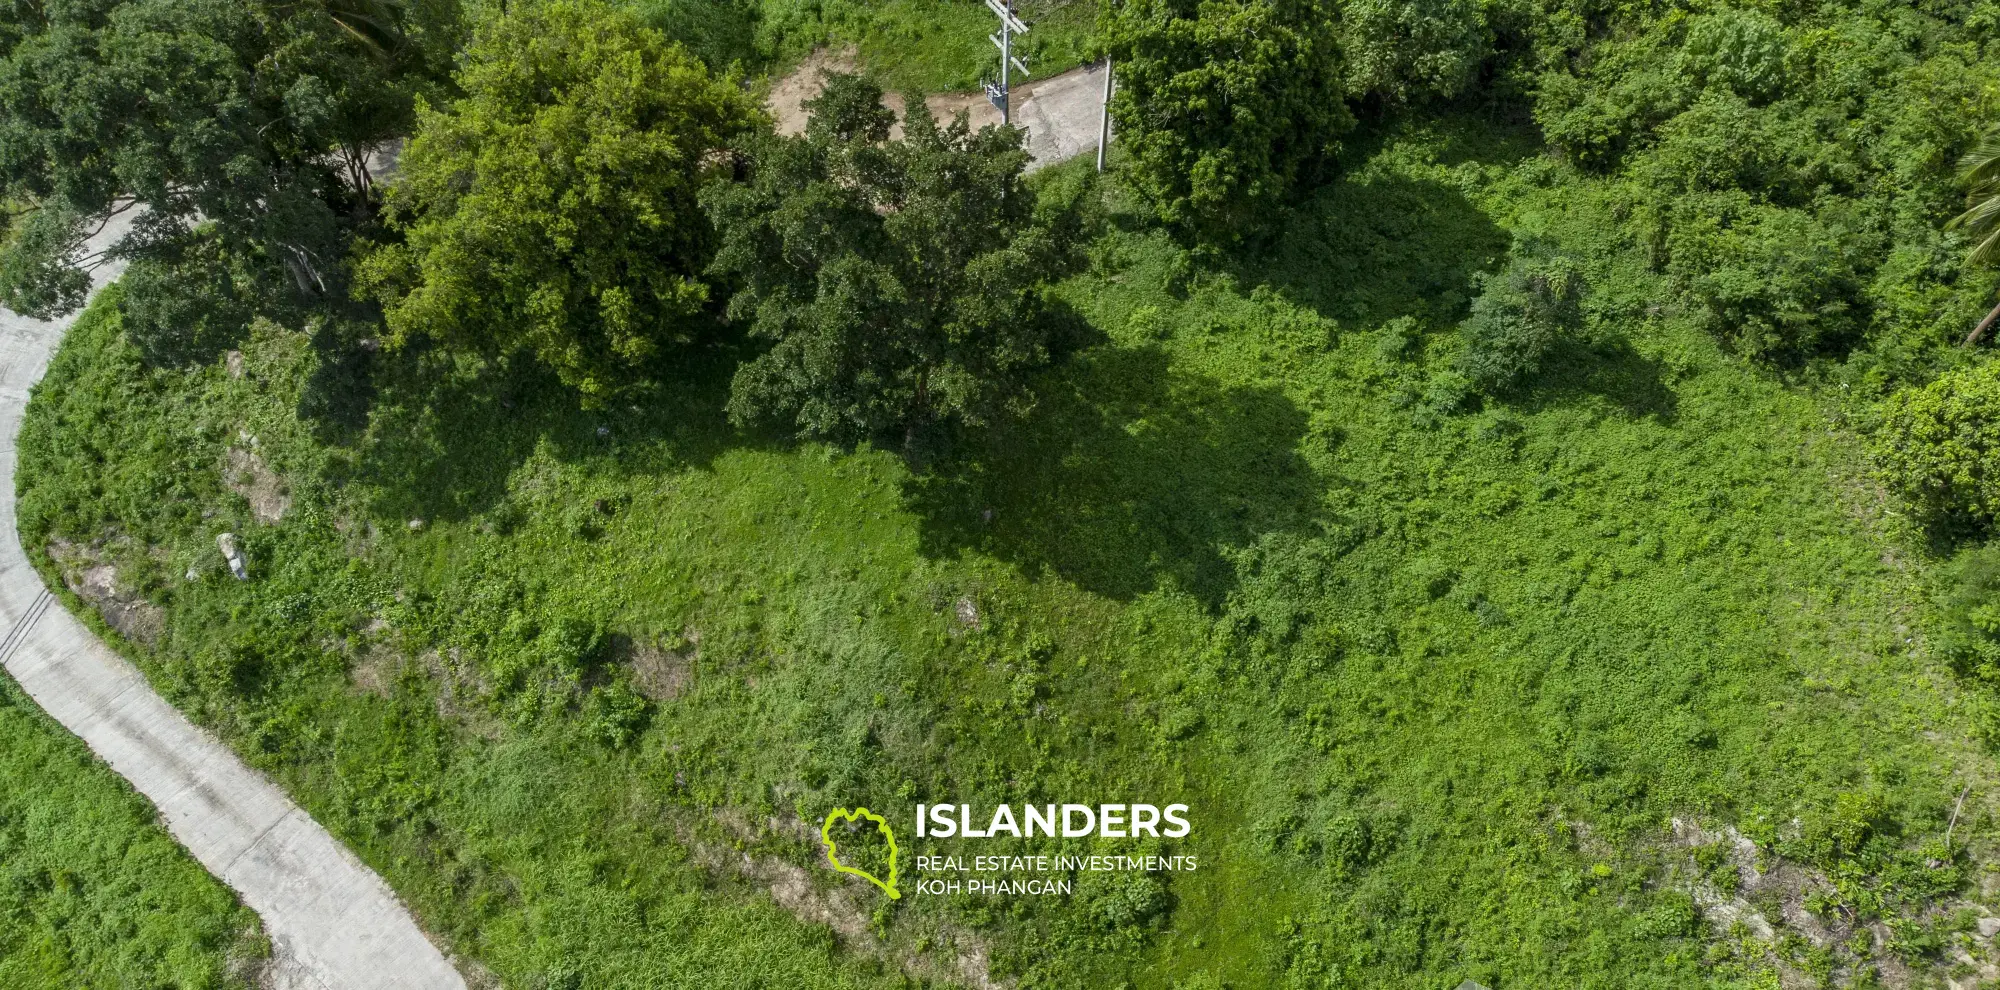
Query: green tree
{"x":1980,"y":171}
{"x":1225,"y":105}
{"x":1401,"y":49}
{"x":901,"y":284}
{"x":252,"y":120}
{"x":1525,"y":311}
{"x":1939,"y":445}
{"x":554,"y":209}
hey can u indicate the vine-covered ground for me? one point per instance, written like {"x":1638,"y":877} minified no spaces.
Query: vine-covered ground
{"x":1621,"y":682}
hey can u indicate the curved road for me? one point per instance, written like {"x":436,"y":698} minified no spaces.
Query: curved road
{"x":334,"y":925}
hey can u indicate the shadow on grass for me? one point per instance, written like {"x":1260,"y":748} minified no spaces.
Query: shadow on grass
{"x":1367,"y":249}
{"x":1127,"y":476}
{"x":443,"y":441}
{"x":1612,"y":370}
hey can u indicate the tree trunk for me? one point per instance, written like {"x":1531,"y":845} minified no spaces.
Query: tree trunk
{"x":1980,"y":330}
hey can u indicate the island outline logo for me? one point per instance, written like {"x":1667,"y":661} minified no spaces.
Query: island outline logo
{"x":833,"y":849}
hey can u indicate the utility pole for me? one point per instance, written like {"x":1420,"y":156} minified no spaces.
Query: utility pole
{"x":1009,"y":27}
{"x":1104,"y":117}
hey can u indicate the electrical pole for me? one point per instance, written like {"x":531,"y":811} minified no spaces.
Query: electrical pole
{"x":1104,"y":118}
{"x":1009,"y":27}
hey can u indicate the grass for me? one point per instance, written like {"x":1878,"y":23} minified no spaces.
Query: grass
{"x":1434,"y":682}
{"x":929,"y":46}
{"x":93,"y":892}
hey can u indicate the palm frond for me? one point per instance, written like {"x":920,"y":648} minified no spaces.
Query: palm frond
{"x":1979,"y":172}
{"x":1987,"y":252}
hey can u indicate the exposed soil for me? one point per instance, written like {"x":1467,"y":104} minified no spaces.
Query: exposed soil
{"x":1060,"y":113}
{"x":87,"y":572}
{"x":661,"y":672}
{"x":247,"y":475}
{"x":957,"y":957}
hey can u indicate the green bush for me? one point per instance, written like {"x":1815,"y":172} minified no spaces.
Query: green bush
{"x":1405,"y":49}
{"x":1772,"y":282}
{"x":552,"y":211}
{"x":1520,"y":317}
{"x":186,"y":309}
{"x":1939,"y":446}
{"x":1225,"y":108}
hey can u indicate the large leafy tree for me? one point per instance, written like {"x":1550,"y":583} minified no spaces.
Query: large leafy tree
{"x":902,"y":285}
{"x":1225,"y":105}
{"x":1403,"y":49}
{"x":236,"y":123}
{"x":1980,"y":171}
{"x":553,"y":209}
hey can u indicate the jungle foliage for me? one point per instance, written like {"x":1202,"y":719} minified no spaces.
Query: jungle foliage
{"x":1225,"y":107}
{"x":1515,"y":690}
{"x":1419,"y":673}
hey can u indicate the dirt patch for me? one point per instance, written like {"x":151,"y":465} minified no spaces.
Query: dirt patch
{"x":790,"y":92}
{"x":247,"y":475}
{"x":1060,"y":113}
{"x":662,"y":672}
{"x":1763,"y":898}
{"x":955,"y":956}
{"x":375,"y":669}
{"x":88,"y":573}
{"x":461,"y":693}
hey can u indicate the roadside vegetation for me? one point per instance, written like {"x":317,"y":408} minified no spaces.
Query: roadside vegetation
{"x":1533,"y":510}
{"x":93,"y":892}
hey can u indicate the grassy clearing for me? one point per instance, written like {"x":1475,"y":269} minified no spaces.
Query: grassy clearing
{"x":1434,"y":682}
{"x":93,"y":892}
{"x":929,"y":46}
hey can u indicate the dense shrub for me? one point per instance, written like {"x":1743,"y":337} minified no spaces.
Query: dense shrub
{"x":1522,"y":314}
{"x":185,"y":309}
{"x":1402,"y":49}
{"x":1939,"y":445}
{"x":1771,"y":281}
{"x":902,"y":284}
{"x":1226,"y":107}
{"x":1789,"y":167}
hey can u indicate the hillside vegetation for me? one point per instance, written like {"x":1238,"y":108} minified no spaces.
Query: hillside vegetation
{"x":1532,"y":511}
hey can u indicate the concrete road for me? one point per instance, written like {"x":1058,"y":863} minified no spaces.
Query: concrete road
{"x":334,"y":924}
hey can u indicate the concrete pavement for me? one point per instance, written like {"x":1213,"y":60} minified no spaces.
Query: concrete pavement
{"x":333,"y":923}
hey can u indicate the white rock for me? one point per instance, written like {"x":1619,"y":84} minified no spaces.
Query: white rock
{"x":237,"y":565}
{"x":1989,"y":927}
{"x":416,"y":524}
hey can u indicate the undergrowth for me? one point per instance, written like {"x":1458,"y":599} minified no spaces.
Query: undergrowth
{"x":1435,"y":674}
{"x":93,"y":892}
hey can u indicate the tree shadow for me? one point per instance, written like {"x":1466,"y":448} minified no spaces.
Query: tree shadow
{"x":1372,"y":247}
{"x":1127,"y":476}
{"x":1612,"y":370}
{"x":445,"y":437}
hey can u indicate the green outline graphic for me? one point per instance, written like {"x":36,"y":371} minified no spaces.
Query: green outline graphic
{"x":833,"y":851}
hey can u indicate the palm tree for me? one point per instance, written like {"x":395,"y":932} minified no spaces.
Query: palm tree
{"x":1980,"y":173}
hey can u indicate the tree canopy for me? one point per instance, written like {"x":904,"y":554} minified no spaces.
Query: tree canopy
{"x":901,"y":284}
{"x":252,"y":118}
{"x":553,"y":209}
{"x":1226,"y":106}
